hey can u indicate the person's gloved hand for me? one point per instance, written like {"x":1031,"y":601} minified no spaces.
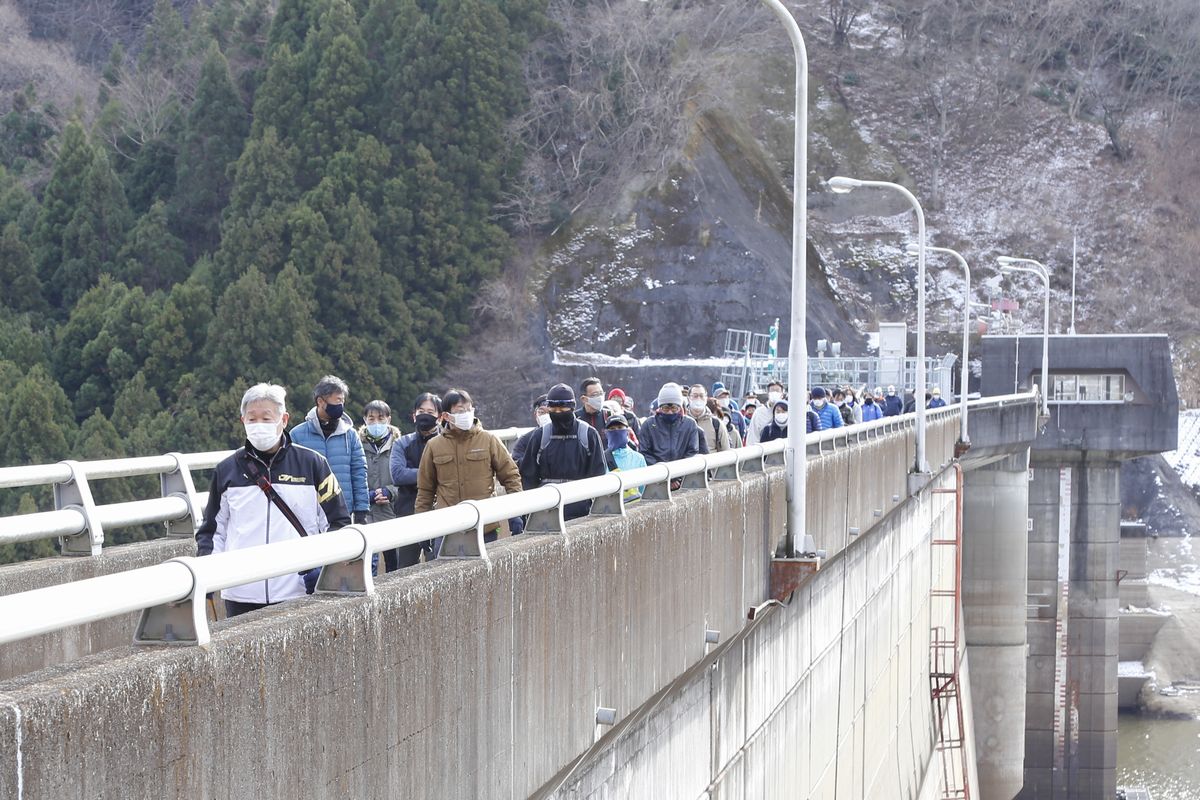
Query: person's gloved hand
{"x":310,"y":579}
{"x":382,"y":495}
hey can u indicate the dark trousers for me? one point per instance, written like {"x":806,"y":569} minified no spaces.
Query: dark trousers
{"x":406,"y":556}
{"x":233,"y":607}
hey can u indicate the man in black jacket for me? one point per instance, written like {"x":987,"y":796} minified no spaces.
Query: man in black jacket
{"x":567,"y":449}
{"x":242,"y":513}
{"x":405,"y":459}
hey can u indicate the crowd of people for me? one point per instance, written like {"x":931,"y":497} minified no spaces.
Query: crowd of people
{"x":327,"y":472}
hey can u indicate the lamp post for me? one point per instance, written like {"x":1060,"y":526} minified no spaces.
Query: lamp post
{"x":798,"y":346}
{"x":1009,"y":264}
{"x":914,"y":250}
{"x":843,"y":185}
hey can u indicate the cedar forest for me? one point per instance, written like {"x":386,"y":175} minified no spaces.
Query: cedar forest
{"x":256,"y":199}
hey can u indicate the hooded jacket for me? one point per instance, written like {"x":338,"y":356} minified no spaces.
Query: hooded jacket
{"x":463,"y":465}
{"x":239,"y":514}
{"x":344,"y":452}
{"x":871,"y":412}
{"x":663,"y":442}
{"x":378,"y":458}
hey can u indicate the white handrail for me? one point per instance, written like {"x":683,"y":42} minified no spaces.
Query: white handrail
{"x":33,"y":612}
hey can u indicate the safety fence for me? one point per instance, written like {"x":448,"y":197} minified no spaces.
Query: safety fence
{"x":171,"y":595}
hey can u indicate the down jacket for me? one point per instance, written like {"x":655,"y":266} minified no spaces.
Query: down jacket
{"x":378,"y":457}
{"x":344,"y":452}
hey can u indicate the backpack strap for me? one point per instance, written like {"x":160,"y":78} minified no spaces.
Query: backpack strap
{"x":581,"y":433}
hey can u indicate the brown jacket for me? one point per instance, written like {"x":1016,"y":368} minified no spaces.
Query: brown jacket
{"x":463,"y":465}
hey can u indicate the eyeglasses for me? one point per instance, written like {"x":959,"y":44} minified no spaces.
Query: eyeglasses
{"x":669,"y":407}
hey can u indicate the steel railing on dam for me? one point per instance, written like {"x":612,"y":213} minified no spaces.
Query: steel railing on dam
{"x":171,"y":594}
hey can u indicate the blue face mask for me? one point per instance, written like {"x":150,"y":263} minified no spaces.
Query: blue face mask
{"x":377,"y":430}
{"x":670,"y":418}
{"x":617,"y":438}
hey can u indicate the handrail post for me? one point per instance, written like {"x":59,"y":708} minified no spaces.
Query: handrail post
{"x":178,"y":483}
{"x":184,"y":622}
{"x":349,"y":577}
{"x":76,"y":494}
{"x":550,"y":520}
{"x":466,"y":543}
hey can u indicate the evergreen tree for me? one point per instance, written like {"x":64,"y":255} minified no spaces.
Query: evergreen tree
{"x":173,"y":338}
{"x":279,"y":102}
{"x":291,"y":24}
{"x":40,"y":423}
{"x":101,"y":346}
{"x":212,"y":141}
{"x":150,"y":177}
{"x":333,"y":118}
{"x":264,"y":187}
{"x":264,"y":331}
{"x":96,"y":232}
{"x":152,"y":256}
{"x":165,"y":41}
{"x":21,"y":345}
{"x":59,"y":203}
{"x":22,"y":289}
{"x":16,"y":203}
{"x":25,"y":551}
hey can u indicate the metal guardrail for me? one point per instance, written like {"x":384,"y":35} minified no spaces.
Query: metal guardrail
{"x":80,"y":523}
{"x":171,"y":595}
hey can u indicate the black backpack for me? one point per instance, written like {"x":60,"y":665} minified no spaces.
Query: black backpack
{"x":581,"y":433}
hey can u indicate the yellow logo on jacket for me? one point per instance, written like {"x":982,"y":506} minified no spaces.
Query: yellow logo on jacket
{"x":283,"y":477}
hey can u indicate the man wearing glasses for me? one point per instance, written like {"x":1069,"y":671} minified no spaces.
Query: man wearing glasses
{"x":670,"y":434}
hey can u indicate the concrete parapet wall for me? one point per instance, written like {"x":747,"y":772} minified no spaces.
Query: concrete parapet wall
{"x":828,"y":696}
{"x":455,"y":680}
{"x":28,"y":655}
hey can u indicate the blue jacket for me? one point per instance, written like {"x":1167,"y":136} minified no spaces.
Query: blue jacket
{"x":937,"y":402}
{"x":662,"y":442}
{"x":893,"y":406}
{"x":829,"y":415}
{"x":344,"y":451}
{"x":871,"y":412}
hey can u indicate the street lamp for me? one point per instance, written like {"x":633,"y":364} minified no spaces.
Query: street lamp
{"x":914,"y":250}
{"x":1009,"y":264}
{"x":842,"y":185}
{"x":798,"y":347}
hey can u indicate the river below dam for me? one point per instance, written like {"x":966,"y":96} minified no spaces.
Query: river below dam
{"x":1159,"y":752}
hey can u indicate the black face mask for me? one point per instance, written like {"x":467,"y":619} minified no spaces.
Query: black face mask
{"x":334,"y":410}
{"x":563,"y":422}
{"x":425,"y":422}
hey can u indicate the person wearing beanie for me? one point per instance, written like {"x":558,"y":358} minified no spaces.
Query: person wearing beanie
{"x":626,"y":407}
{"x":829,"y":415}
{"x":670,"y":434}
{"x":567,"y":449}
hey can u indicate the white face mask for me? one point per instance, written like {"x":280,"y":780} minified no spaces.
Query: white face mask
{"x":723,"y":402}
{"x":819,"y":402}
{"x":594,"y":403}
{"x":697,"y":406}
{"x":543,"y":419}
{"x":262,"y":435}
{"x":781,"y":419}
{"x":464,"y":420}
{"x":773,"y":397}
